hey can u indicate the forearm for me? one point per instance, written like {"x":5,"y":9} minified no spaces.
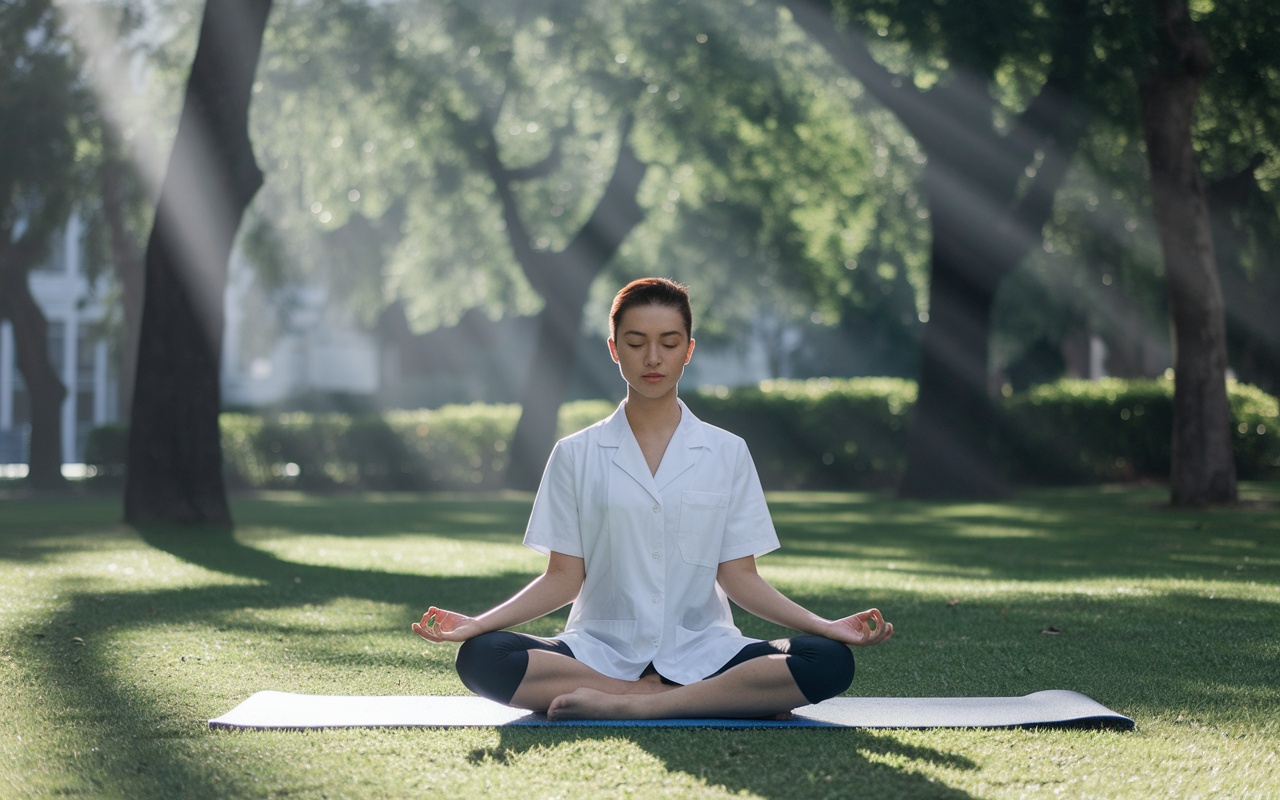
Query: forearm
{"x":756,"y":596}
{"x":546,"y":593}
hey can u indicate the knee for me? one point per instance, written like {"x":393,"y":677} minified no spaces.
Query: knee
{"x":822,"y":668}
{"x":492,"y":665}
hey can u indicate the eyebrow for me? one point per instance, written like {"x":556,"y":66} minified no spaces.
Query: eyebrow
{"x":661,"y":335}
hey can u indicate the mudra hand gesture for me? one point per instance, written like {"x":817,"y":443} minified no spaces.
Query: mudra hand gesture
{"x":861,"y":630}
{"x":439,"y":625}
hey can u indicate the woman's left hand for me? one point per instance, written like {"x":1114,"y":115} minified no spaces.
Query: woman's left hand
{"x":862,"y":629}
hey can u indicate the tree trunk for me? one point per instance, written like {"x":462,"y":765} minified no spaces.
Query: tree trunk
{"x":564,"y":280}
{"x":949,"y":450}
{"x":990,"y":195}
{"x":555,"y":354}
{"x":44,"y":388}
{"x":175,"y":455}
{"x":1253,"y":330}
{"x":1203,"y":466}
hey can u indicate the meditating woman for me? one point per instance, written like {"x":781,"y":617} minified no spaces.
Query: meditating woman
{"x":649,"y":519}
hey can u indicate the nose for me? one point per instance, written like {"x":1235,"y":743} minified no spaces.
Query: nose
{"x":652,"y":355}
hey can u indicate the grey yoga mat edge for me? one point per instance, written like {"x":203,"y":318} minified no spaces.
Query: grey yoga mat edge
{"x":270,"y":710}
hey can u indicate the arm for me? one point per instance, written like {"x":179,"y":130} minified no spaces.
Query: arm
{"x":553,"y":589}
{"x":755,"y":595}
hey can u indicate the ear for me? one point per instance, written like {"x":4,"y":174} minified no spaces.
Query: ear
{"x":687,"y":355}
{"x":613,"y":350}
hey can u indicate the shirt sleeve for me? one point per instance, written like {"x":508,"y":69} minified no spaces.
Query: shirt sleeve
{"x":748,"y":530}
{"x":553,"y":523}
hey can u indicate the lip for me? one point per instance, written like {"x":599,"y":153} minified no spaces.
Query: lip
{"x":653,"y":377}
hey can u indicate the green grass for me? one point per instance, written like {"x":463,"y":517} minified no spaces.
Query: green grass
{"x":115,"y":647}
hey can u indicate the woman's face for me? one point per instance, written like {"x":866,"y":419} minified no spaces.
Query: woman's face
{"x":651,"y":349}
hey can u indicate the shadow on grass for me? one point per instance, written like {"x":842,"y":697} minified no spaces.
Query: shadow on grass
{"x":106,"y":698}
{"x":1056,"y":537}
{"x":1135,"y":654}
{"x":134,"y":731}
{"x":140,"y":735}
{"x":843,"y":762}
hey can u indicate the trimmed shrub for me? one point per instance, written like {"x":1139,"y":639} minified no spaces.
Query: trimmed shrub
{"x":453,"y":447}
{"x":1077,"y":431}
{"x":813,"y":434}
{"x":819,"y":433}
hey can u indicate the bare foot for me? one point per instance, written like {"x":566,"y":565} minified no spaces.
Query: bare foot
{"x":586,"y":703}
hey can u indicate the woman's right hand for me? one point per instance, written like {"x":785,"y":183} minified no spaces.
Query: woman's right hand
{"x":439,"y":625}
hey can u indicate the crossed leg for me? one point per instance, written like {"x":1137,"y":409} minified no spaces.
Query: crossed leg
{"x":765,"y":678}
{"x":551,"y":675}
{"x":755,"y":688}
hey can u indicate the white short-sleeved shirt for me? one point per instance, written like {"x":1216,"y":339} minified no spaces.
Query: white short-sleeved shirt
{"x":652,"y":544}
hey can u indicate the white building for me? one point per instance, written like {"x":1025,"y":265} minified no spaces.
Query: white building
{"x":78,"y":352}
{"x":311,"y":353}
{"x":314,"y":349}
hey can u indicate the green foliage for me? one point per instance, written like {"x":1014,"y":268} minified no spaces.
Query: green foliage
{"x":1077,"y":431}
{"x":819,"y":433}
{"x":45,"y":115}
{"x":814,"y":434}
{"x":453,"y":447}
{"x":368,"y":120}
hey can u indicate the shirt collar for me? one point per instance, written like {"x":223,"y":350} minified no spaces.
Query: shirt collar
{"x":679,"y":457}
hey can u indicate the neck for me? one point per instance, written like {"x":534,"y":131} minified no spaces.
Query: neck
{"x":647,"y":413}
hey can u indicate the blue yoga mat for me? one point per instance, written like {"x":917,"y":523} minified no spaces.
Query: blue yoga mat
{"x":282,"y":710}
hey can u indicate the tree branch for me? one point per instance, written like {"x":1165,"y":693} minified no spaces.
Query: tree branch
{"x":617,"y":213}
{"x":542,"y":168}
{"x":897,"y":92}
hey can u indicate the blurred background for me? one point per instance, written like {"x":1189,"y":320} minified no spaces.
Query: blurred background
{"x":445,"y":182}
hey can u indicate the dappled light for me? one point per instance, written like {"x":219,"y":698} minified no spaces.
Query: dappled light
{"x":984,"y":296}
{"x":308,"y":596}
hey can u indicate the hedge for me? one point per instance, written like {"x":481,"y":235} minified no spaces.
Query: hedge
{"x":453,"y":447}
{"x":814,"y":434}
{"x":820,"y":433}
{"x":1076,"y":431}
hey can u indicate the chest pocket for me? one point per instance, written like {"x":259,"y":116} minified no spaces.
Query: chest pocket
{"x":702,"y":518}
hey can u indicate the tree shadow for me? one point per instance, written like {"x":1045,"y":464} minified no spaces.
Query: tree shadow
{"x":1004,"y":654}
{"x":103,"y":695}
{"x":834,"y":763}
{"x":1062,"y":538}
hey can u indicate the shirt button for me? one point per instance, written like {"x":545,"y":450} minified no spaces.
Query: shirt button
{"x":656,"y":554}
{"x":655,"y":642}
{"x":656,"y":508}
{"x":656,"y":598}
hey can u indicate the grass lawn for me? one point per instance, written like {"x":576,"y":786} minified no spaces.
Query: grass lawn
{"x":115,"y":647}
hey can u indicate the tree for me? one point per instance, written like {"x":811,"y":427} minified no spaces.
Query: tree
{"x":506,"y":153}
{"x":991,"y":178}
{"x":1237,"y":140}
{"x":1247,"y":245}
{"x":1203,"y":466}
{"x":563,"y":278}
{"x":43,"y":114}
{"x":175,"y":455}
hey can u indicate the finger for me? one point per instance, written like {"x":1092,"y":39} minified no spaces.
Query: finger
{"x":886,"y":630}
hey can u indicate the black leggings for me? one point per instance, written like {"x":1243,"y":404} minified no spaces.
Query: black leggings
{"x":493,"y":664}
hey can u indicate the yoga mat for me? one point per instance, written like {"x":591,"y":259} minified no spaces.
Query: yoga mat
{"x":1050,"y":708}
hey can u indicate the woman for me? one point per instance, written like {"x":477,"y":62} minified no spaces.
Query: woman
{"x":650,"y":519}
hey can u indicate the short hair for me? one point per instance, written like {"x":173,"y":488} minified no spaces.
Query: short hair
{"x":651,"y":292}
